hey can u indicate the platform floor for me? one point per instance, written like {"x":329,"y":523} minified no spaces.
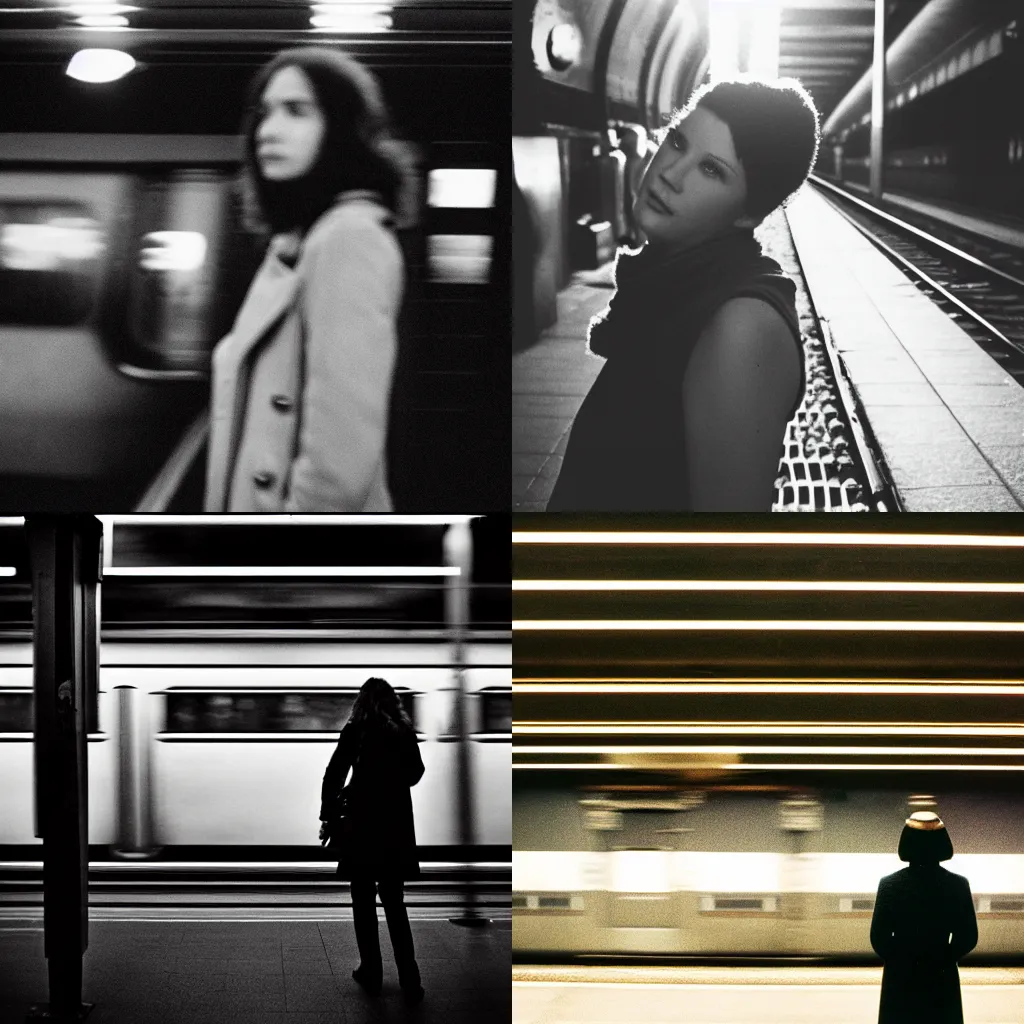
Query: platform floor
{"x":737,"y":995}
{"x":258,"y":972}
{"x":948,"y":419}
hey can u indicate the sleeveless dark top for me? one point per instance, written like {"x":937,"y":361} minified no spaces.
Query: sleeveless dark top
{"x":627,"y":449}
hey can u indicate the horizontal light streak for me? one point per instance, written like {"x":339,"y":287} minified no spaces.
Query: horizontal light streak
{"x":828,"y":766}
{"x":763,"y":625}
{"x":281,"y":570}
{"x":576,"y":685}
{"x":7,"y":570}
{"x":762,"y":729}
{"x":285,"y":520}
{"x":763,"y":538}
{"x":798,"y":586}
{"x":782,"y":749}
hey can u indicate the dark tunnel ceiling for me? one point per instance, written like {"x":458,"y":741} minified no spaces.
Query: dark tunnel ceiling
{"x":828,"y":44}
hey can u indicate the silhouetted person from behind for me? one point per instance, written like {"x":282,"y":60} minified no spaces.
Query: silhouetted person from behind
{"x":922,"y":925}
{"x":375,"y":839}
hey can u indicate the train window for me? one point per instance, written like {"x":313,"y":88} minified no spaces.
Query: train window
{"x":259,"y":712}
{"x":462,"y":187}
{"x":535,"y":902}
{"x":553,"y":903}
{"x":173,"y":279}
{"x":748,"y":904}
{"x":459,"y":259}
{"x":50,"y":262}
{"x":851,"y":905}
{"x":987,"y":905}
{"x":15,"y":712}
{"x":496,"y":712}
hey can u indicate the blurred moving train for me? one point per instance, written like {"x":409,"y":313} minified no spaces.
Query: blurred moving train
{"x":123,"y":259}
{"x":743,"y":870}
{"x":220,"y":699}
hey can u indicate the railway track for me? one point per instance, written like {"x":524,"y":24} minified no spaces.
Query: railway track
{"x":976,"y":282}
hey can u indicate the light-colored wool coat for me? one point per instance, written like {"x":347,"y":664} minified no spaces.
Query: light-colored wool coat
{"x":302,"y":383}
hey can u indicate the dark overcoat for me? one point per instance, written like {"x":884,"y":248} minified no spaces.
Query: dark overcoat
{"x":923,"y":924}
{"x":378,"y":838}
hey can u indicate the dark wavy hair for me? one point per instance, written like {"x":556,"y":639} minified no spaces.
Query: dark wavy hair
{"x":377,"y":705}
{"x":357,"y":150}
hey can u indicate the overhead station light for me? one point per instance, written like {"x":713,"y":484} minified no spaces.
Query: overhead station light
{"x":351,"y":16}
{"x":100,"y":65}
{"x":98,"y":14}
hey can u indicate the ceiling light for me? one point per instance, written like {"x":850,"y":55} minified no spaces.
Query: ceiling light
{"x":99,"y":65}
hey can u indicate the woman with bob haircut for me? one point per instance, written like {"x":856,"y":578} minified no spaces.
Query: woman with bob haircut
{"x":375,"y":838}
{"x":923,"y":923}
{"x":302,"y":383}
{"x":704,"y":358}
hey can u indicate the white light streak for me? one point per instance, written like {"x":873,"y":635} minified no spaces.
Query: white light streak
{"x":765,"y":538}
{"x":998,"y":687}
{"x":7,"y":570}
{"x":841,"y":586}
{"x":828,"y":766}
{"x":763,"y":625}
{"x":282,"y":570}
{"x":283,"y":520}
{"x":762,"y":729}
{"x":738,"y":749}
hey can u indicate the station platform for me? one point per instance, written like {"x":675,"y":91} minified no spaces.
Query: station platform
{"x":216,"y":971}
{"x":947,"y":420}
{"x":737,"y":995}
{"x":1007,"y":234}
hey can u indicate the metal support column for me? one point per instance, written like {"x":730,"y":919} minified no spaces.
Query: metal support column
{"x":878,"y":79}
{"x":458,"y":552}
{"x":65,"y":557}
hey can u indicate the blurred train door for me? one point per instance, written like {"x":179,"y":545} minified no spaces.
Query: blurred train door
{"x":643,"y":906}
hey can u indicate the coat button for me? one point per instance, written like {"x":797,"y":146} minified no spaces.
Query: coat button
{"x":282,"y":402}
{"x":264,"y":479}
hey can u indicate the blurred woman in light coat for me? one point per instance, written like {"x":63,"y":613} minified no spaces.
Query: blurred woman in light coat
{"x":302,"y":383}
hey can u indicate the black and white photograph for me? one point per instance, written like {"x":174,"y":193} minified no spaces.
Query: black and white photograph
{"x":255,"y":769}
{"x":254,"y":257}
{"x":768,"y":256}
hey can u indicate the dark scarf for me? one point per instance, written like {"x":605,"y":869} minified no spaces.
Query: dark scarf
{"x":661,"y":301}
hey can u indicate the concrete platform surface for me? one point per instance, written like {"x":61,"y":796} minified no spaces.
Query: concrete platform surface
{"x":258,"y":972}
{"x":737,"y":995}
{"x":948,"y":419}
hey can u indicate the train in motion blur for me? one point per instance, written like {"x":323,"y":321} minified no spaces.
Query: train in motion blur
{"x":123,"y":257}
{"x":665,"y":868}
{"x":949,"y":133}
{"x":222,"y":687}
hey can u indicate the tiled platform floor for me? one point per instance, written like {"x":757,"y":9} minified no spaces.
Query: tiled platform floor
{"x":198,"y":972}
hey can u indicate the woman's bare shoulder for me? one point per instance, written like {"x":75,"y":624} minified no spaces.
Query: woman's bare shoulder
{"x":747,"y":318}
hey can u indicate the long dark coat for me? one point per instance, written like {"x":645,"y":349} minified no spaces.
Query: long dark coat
{"x":378,"y":838}
{"x":922,"y":925}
